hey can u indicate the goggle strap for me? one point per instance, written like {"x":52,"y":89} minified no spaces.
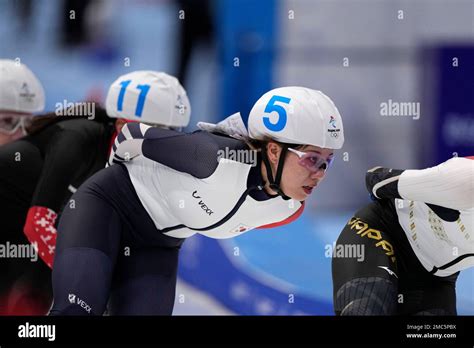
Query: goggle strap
{"x":267,"y":164}
{"x":275,"y":184}
{"x":281,"y":161}
{"x":280,"y":171}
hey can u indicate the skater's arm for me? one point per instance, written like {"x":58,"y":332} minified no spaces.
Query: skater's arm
{"x":449,"y":184}
{"x":194,"y":153}
{"x":62,"y":156}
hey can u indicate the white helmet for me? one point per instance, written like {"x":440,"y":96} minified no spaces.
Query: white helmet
{"x":297,"y":115}
{"x":149,"y":96}
{"x":20,"y":90}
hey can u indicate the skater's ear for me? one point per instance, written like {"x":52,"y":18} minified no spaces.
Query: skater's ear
{"x":273,"y":149}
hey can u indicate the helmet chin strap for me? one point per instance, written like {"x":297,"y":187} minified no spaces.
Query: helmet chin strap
{"x":275,"y":184}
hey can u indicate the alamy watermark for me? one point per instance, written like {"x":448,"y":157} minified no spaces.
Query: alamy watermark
{"x":227,"y":155}
{"x":401,"y":109}
{"x":86,"y":109}
{"x":28,"y":330}
{"x":351,"y":251}
{"x":23,"y":251}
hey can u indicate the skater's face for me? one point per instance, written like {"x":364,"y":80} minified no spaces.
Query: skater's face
{"x":298,"y":180}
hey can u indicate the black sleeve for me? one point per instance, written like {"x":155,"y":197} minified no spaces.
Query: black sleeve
{"x":192,"y":153}
{"x":195,"y":153}
{"x":366,"y":285}
{"x":64,"y":153}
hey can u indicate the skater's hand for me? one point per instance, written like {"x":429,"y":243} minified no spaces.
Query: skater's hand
{"x":382,"y":183}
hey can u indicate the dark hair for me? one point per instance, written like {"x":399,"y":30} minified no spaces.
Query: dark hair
{"x":261,"y":144}
{"x":40,"y":122}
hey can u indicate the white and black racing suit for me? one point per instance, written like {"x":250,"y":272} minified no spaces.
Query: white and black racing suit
{"x":119,"y":236}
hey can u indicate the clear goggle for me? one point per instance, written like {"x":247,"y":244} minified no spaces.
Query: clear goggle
{"x":312,"y":161}
{"x":9,"y":124}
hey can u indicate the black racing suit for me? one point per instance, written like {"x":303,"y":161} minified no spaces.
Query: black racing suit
{"x":42,"y":169}
{"x":390,"y":279}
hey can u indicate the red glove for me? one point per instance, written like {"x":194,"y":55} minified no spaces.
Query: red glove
{"x":40,"y":231}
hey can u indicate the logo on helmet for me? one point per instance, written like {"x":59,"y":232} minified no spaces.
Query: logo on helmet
{"x":333,"y":132}
{"x":180,"y":105}
{"x":25,"y":92}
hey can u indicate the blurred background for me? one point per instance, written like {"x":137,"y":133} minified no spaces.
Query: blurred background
{"x":227,"y":53}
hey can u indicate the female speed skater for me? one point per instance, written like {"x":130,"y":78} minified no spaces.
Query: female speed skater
{"x":417,"y":236}
{"x":118,"y":247}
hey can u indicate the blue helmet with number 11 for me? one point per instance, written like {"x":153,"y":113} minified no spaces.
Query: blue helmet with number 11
{"x":297,"y":115}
